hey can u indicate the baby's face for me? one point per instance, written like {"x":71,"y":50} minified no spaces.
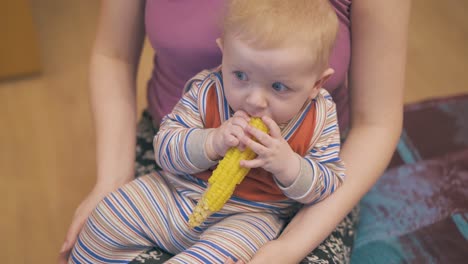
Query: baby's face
{"x":267,"y":82}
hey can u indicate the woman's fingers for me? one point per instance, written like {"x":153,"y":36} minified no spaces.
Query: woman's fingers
{"x":72,"y":234}
{"x":79,"y":219}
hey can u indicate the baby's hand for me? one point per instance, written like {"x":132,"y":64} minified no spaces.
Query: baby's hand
{"x":228,"y":134}
{"x":273,"y":152}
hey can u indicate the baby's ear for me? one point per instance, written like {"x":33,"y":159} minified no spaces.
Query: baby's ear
{"x":321,"y":81}
{"x":219,"y":41}
{"x":323,"y":78}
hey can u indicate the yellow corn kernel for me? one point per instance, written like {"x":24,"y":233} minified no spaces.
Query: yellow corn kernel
{"x":223,"y":181}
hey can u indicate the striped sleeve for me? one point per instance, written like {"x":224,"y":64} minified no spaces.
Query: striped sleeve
{"x":322,"y":170}
{"x":179,"y":143}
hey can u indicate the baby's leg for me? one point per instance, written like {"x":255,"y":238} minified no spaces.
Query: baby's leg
{"x":237,"y":237}
{"x":126,"y":223}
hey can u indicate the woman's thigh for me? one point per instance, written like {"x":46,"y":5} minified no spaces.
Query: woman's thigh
{"x":336,"y":248}
{"x":144,"y":162}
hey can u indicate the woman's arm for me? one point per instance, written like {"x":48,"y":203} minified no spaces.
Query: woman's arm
{"x":113,"y":69}
{"x":378,"y":59}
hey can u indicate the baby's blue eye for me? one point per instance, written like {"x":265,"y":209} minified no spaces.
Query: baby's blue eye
{"x":279,"y":87}
{"x":240,"y":75}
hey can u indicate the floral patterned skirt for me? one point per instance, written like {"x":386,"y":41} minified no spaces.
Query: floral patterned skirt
{"x":334,"y":249}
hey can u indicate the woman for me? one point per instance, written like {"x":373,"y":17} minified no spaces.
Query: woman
{"x":369,"y":91}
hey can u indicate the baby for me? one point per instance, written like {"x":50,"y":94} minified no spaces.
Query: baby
{"x":275,"y":61}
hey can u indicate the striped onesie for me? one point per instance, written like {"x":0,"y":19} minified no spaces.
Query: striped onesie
{"x":153,"y":210}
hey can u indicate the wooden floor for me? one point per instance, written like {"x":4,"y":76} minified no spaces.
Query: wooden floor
{"x":46,"y":138}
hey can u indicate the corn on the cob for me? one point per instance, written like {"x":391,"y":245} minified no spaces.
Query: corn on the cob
{"x":224,"y":180}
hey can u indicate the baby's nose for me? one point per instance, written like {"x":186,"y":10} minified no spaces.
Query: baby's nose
{"x":257,"y":99}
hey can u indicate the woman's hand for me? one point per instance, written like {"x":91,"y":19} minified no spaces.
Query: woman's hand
{"x":272,"y":252}
{"x":79,"y":219}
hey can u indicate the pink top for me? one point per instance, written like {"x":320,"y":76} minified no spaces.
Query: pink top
{"x":183,"y":33}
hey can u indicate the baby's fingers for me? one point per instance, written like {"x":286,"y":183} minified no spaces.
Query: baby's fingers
{"x":242,"y":114}
{"x":275,"y":131}
{"x":231,"y":141}
{"x":256,"y":147}
{"x":255,"y":163}
{"x":259,"y":135}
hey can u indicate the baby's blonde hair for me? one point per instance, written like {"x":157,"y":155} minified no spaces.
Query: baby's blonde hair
{"x":312,"y":24}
